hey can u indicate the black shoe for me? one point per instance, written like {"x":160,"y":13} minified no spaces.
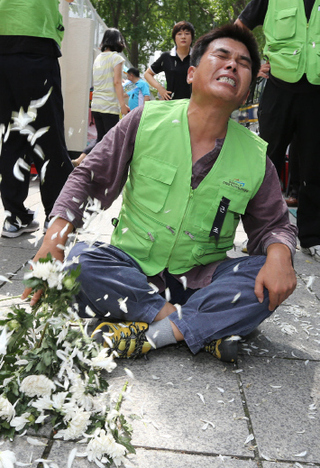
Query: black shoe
{"x":14,"y":230}
{"x":224,"y":349}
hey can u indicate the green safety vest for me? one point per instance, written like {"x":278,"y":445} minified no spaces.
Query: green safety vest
{"x":163,"y":222}
{"x":292,"y":43}
{"x":38,"y":18}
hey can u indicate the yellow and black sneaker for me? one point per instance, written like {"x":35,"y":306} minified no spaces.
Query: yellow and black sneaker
{"x":224,"y":349}
{"x":128,"y":339}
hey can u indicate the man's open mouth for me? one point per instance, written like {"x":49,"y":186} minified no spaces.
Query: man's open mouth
{"x":226,"y":79}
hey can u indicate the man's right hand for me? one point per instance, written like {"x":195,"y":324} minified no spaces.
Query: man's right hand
{"x":51,"y":244}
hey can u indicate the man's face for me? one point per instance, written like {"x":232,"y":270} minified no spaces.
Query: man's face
{"x":183,"y":38}
{"x":130,"y":76}
{"x":224,"y":72}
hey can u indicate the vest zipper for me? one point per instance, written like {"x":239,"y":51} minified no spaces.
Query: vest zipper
{"x":179,"y":230}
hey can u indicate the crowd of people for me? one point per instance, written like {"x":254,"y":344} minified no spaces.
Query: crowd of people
{"x":187,"y":173}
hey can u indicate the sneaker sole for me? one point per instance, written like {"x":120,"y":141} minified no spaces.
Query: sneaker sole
{"x":18,"y":233}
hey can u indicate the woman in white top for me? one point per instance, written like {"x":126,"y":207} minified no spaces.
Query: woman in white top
{"x":108,"y":96}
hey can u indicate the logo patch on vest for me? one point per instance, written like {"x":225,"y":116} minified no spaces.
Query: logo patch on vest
{"x":237,"y":184}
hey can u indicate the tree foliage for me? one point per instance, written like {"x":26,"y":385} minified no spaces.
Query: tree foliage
{"x":147,"y":24}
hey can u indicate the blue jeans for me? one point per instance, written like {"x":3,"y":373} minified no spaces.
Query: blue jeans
{"x":109,"y":274}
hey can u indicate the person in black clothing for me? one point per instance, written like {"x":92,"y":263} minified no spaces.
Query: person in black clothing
{"x":291,"y":99}
{"x":31,"y":109}
{"x":175,"y":64}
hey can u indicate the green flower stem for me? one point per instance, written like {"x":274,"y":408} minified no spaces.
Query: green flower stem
{"x":81,"y":328}
{"x":42,"y":336}
{"x":119,"y":402}
{"x":46,"y":307}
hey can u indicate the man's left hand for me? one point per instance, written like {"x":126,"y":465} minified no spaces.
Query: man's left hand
{"x":277,"y":276}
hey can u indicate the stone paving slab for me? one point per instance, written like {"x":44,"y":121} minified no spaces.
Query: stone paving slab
{"x":181,"y":392}
{"x":26,"y":241}
{"x":12,"y":261}
{"x":279,"y":395}
{"x":23,"y":450}
{"x":292,"y":331}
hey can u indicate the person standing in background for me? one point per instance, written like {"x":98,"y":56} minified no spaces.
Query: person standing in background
{"x":30,"y":38}
{"x":291,"y":99}
{"x":174,"y":64}
{"x":141,"y":92}
{"x":108,"y":96}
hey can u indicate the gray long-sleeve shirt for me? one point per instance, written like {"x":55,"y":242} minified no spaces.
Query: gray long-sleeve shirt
{"x":104,"y":172}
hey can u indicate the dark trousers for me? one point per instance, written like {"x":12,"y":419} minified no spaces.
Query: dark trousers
{"x":104,"y":122}
{"x":109,"y":274}
{"x":283,"y":114}
{"x":24,"y":78}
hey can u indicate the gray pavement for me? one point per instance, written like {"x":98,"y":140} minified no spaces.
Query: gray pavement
{"x":194,"y":411}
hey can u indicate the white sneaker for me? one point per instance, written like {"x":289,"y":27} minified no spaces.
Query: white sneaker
{"x":313,"y":251}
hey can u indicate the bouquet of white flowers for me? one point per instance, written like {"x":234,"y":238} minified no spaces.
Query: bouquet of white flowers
{"x":51,"y":371}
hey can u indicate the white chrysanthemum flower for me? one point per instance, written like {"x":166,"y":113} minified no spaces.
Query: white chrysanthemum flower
{"x":103,"y":361}
{"x":58,"y":400}
{"x":78,"y":391}
{"x":112,"y":414}
{"x":37,"y":385}
{"x":47,"y":271}
{"x":100,"y":403}
{"x":20,"y":421}
{"x":7,"y":411}
{"x":76,"y":426}
{"x":43,"y":403}
{"x":62,"y":335}
{"x":55,"y":281}
{"x":7,"y":459}
{"x":104,"y":444}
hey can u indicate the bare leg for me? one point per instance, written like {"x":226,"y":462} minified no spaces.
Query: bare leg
{"x":166,"y":310}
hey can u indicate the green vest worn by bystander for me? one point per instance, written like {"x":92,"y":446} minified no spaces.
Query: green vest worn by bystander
{"x":292,"y":43}
{"x":163,"y":222}
{"x":38,"y":18}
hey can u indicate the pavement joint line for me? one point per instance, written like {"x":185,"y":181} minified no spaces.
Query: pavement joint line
{"x":196,"y":453}
{"x":47,"y":449}
{"x":245,"y":407}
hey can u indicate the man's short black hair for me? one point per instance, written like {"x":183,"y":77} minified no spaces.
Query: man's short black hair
{"x":231,"y":31}
{"x":112,"y":40}
{"x":134,"y":71}
{"x":182,"y":26}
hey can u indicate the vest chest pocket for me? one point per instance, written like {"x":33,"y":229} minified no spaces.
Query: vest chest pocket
{"x":285,"y":24}
{"x":237,"y":206}
{"x":151,"y":181}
